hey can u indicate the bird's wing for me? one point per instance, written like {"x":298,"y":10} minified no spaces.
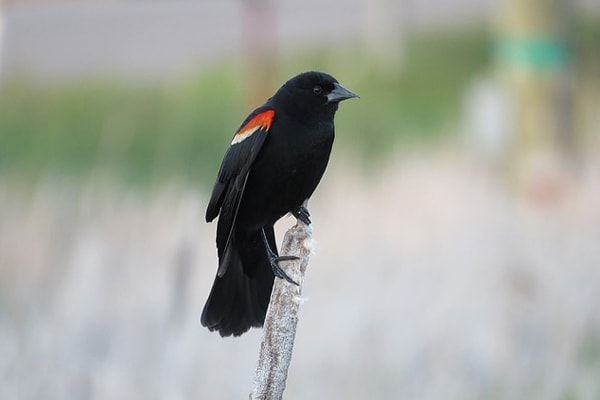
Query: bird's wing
{"x":238,"y":159}
{"x":231,"y":180}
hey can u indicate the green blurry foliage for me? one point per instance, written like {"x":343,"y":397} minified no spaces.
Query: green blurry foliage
{"x":136,"y":134}
{"x":421,"y":100}
{"x":180,"y":130}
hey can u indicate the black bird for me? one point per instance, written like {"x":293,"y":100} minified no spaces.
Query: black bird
{"x":275,"y":162}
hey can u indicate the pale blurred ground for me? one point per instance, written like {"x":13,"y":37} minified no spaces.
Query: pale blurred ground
{"x":435,"y":275}
{"x":430,"y":281}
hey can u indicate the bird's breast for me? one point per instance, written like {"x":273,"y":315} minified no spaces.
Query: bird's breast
{"x":286,"y":172}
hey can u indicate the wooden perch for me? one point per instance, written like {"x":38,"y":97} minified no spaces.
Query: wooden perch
{"x":279,"y":329}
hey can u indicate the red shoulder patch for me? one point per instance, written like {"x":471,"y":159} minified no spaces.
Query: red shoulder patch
{"x":262,"y":120}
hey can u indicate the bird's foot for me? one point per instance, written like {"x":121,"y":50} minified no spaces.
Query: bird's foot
{"x":274,"y":260}
{"x":302,"y":214}
{"x":278,"y":271}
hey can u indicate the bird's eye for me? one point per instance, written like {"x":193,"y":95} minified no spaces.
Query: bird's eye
{"x":318,"y":90}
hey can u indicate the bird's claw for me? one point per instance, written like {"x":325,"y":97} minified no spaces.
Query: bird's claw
{"x":302,"y":214}
{"x":274,"y":260}
{"x":278,"y":271}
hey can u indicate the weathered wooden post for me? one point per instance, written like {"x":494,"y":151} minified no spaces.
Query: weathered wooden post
{"x":259,"y":49}
{"x":532,"y":53}
{"x":279,"y":330}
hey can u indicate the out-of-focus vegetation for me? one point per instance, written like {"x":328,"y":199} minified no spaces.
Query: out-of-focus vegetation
{"x":136,"y":133}
{"x":146,"y":133}
{"x":143,"y":134}
{"x":586,"y":37}
{"x":413,"y":101}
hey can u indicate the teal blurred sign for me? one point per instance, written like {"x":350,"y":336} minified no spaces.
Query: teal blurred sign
{"x":538,"y":54}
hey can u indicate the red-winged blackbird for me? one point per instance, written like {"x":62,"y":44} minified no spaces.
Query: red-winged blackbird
{"x":275,"y":162}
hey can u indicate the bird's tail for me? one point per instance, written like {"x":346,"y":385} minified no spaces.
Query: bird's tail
{"x":240,"y":295}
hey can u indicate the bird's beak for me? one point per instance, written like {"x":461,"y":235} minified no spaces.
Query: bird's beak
{"x":339,"y":93}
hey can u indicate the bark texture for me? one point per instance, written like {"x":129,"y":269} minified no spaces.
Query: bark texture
{"x":279,"y":329}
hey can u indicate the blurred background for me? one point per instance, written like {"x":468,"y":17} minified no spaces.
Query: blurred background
{"x":457,"y":228}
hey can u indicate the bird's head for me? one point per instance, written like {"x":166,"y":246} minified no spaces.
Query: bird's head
{"x":313,"y":93}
